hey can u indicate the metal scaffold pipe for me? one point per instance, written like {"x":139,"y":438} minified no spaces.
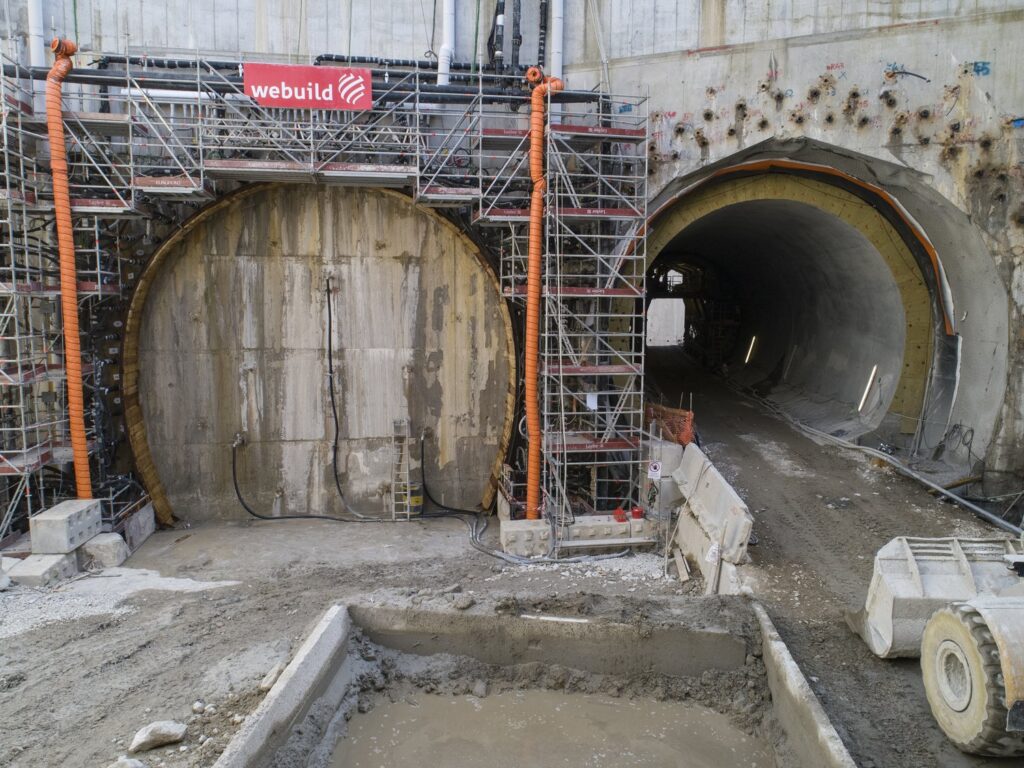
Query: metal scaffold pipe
{"x":542,"y":85}
{"x":64,"y":50}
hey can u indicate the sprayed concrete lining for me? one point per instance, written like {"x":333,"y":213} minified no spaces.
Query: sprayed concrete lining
{"x":228,"y":331}
{"x":718,"y":652}
{"x":880,"y":252}
{"x":828,"y":292}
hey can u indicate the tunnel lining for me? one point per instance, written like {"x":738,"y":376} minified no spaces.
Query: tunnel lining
{"x":919,"y":308}
{"x":162,"y":260}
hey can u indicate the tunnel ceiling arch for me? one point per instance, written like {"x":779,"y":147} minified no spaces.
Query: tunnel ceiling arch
{"x":816,"y":226}
{"x":227,"y":333}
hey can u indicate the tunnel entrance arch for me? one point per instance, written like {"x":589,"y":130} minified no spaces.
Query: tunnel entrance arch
{"x":227,"y":332}
{"x":812,"y":289}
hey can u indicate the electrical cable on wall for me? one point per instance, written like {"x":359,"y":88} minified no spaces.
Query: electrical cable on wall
{"x":475,"y":520}
{"x":334,"y":403}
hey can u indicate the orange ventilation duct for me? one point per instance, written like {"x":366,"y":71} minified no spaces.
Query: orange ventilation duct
{"x":64,"y":50}
{"x":534,"y":274}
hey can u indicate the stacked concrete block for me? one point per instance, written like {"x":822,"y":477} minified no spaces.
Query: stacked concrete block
{"x":65,"y":527}
{"x":44,"y":570}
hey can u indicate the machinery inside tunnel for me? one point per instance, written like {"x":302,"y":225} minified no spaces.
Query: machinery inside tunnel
{"x":806,"y":295}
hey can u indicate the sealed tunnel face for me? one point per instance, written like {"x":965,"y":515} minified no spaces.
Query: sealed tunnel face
{"x":234,"y":338}
{"x":801,"y":303}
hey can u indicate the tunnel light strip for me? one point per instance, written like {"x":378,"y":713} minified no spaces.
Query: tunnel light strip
{"x":864,"y":397}
{"x":751,"y":350}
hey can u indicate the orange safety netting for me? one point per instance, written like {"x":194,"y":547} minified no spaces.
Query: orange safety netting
{"x":675,"y":423}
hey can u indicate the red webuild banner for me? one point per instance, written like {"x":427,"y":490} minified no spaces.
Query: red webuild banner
{"x":283,"y":85}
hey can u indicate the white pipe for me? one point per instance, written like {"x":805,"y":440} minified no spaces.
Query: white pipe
{"x":447,"y":52}
{"x":37,"y":52}
{"x":556,"y":37}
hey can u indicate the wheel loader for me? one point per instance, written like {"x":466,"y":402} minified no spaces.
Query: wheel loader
{"x":959,"y":605}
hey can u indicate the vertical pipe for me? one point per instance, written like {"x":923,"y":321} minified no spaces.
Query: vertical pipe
{"x":64,"y":50}
{"x":557,"y":37}
{"x":499,"y":37}
{"x":534,"y":274}
{"x":36,"y":50}
{"x":517,"y":36}
{"x":542,"y":34}
{"x":447,"y":52}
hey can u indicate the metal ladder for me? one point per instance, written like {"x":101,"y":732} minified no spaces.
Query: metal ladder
{"x":401,"y":507}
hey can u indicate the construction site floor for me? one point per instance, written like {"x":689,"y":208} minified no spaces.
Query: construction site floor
{"x":85,"y":666}
{"x":820,"y":514}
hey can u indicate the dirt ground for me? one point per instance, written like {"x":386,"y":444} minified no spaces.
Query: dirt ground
{"x":127,"y":649}
{"x":820,"y":514}
{"x":75,"y":691}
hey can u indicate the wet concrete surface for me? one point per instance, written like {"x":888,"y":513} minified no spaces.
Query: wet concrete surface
{"x":820,"y":514}
{"x":545,"y":729}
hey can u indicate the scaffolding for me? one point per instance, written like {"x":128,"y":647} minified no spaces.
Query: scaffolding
{"x":149,"y":144}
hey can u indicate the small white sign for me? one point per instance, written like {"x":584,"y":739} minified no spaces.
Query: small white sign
{"x":654,"y":470}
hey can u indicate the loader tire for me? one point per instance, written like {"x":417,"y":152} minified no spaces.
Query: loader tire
{"x":963,"y":680}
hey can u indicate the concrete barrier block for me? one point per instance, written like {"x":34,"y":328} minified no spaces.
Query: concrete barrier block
{"x":721,"y":512}
{"x":107,"y":550}
{"x":65,"y":527}
{"x":44,"y":570}
{"x":526,"y":538}
{"x":313,"y":662}
{"x":139,"y":527}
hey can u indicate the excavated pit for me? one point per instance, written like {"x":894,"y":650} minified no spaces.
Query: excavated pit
{"x":593,"y":680}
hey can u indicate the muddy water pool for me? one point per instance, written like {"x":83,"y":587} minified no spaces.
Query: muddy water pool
{"x":544,"y":729}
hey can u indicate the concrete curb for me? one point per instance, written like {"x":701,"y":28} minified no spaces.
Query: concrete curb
{"x":813,"y":737}
{"x":285,"y":701}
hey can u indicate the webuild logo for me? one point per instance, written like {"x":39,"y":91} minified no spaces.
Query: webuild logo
{"x":282,"y":85}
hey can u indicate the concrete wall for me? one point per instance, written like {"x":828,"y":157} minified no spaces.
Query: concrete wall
{"x":925,"y":102}
{"x":234,"y":338}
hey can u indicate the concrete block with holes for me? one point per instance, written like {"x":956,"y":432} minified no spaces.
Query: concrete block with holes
{"x":65,"y":527}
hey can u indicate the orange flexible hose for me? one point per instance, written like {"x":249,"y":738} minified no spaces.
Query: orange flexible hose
{"x":534,"y":274}
{"x":64,"y":50}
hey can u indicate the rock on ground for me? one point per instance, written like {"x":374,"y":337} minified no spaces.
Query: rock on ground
{"x":106,"y":550}
{"x":157,"y":734}
{"x":127,"y":762}
{"x":271,"y":677}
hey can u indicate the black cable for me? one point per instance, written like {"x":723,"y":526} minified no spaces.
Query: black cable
{"x":254,"y":513}
{"x":430,"y":496}
{"x":245,"y":505}
{"x":334,"y":401}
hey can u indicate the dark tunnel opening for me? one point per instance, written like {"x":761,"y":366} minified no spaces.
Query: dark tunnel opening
{"x":800,"y":306}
